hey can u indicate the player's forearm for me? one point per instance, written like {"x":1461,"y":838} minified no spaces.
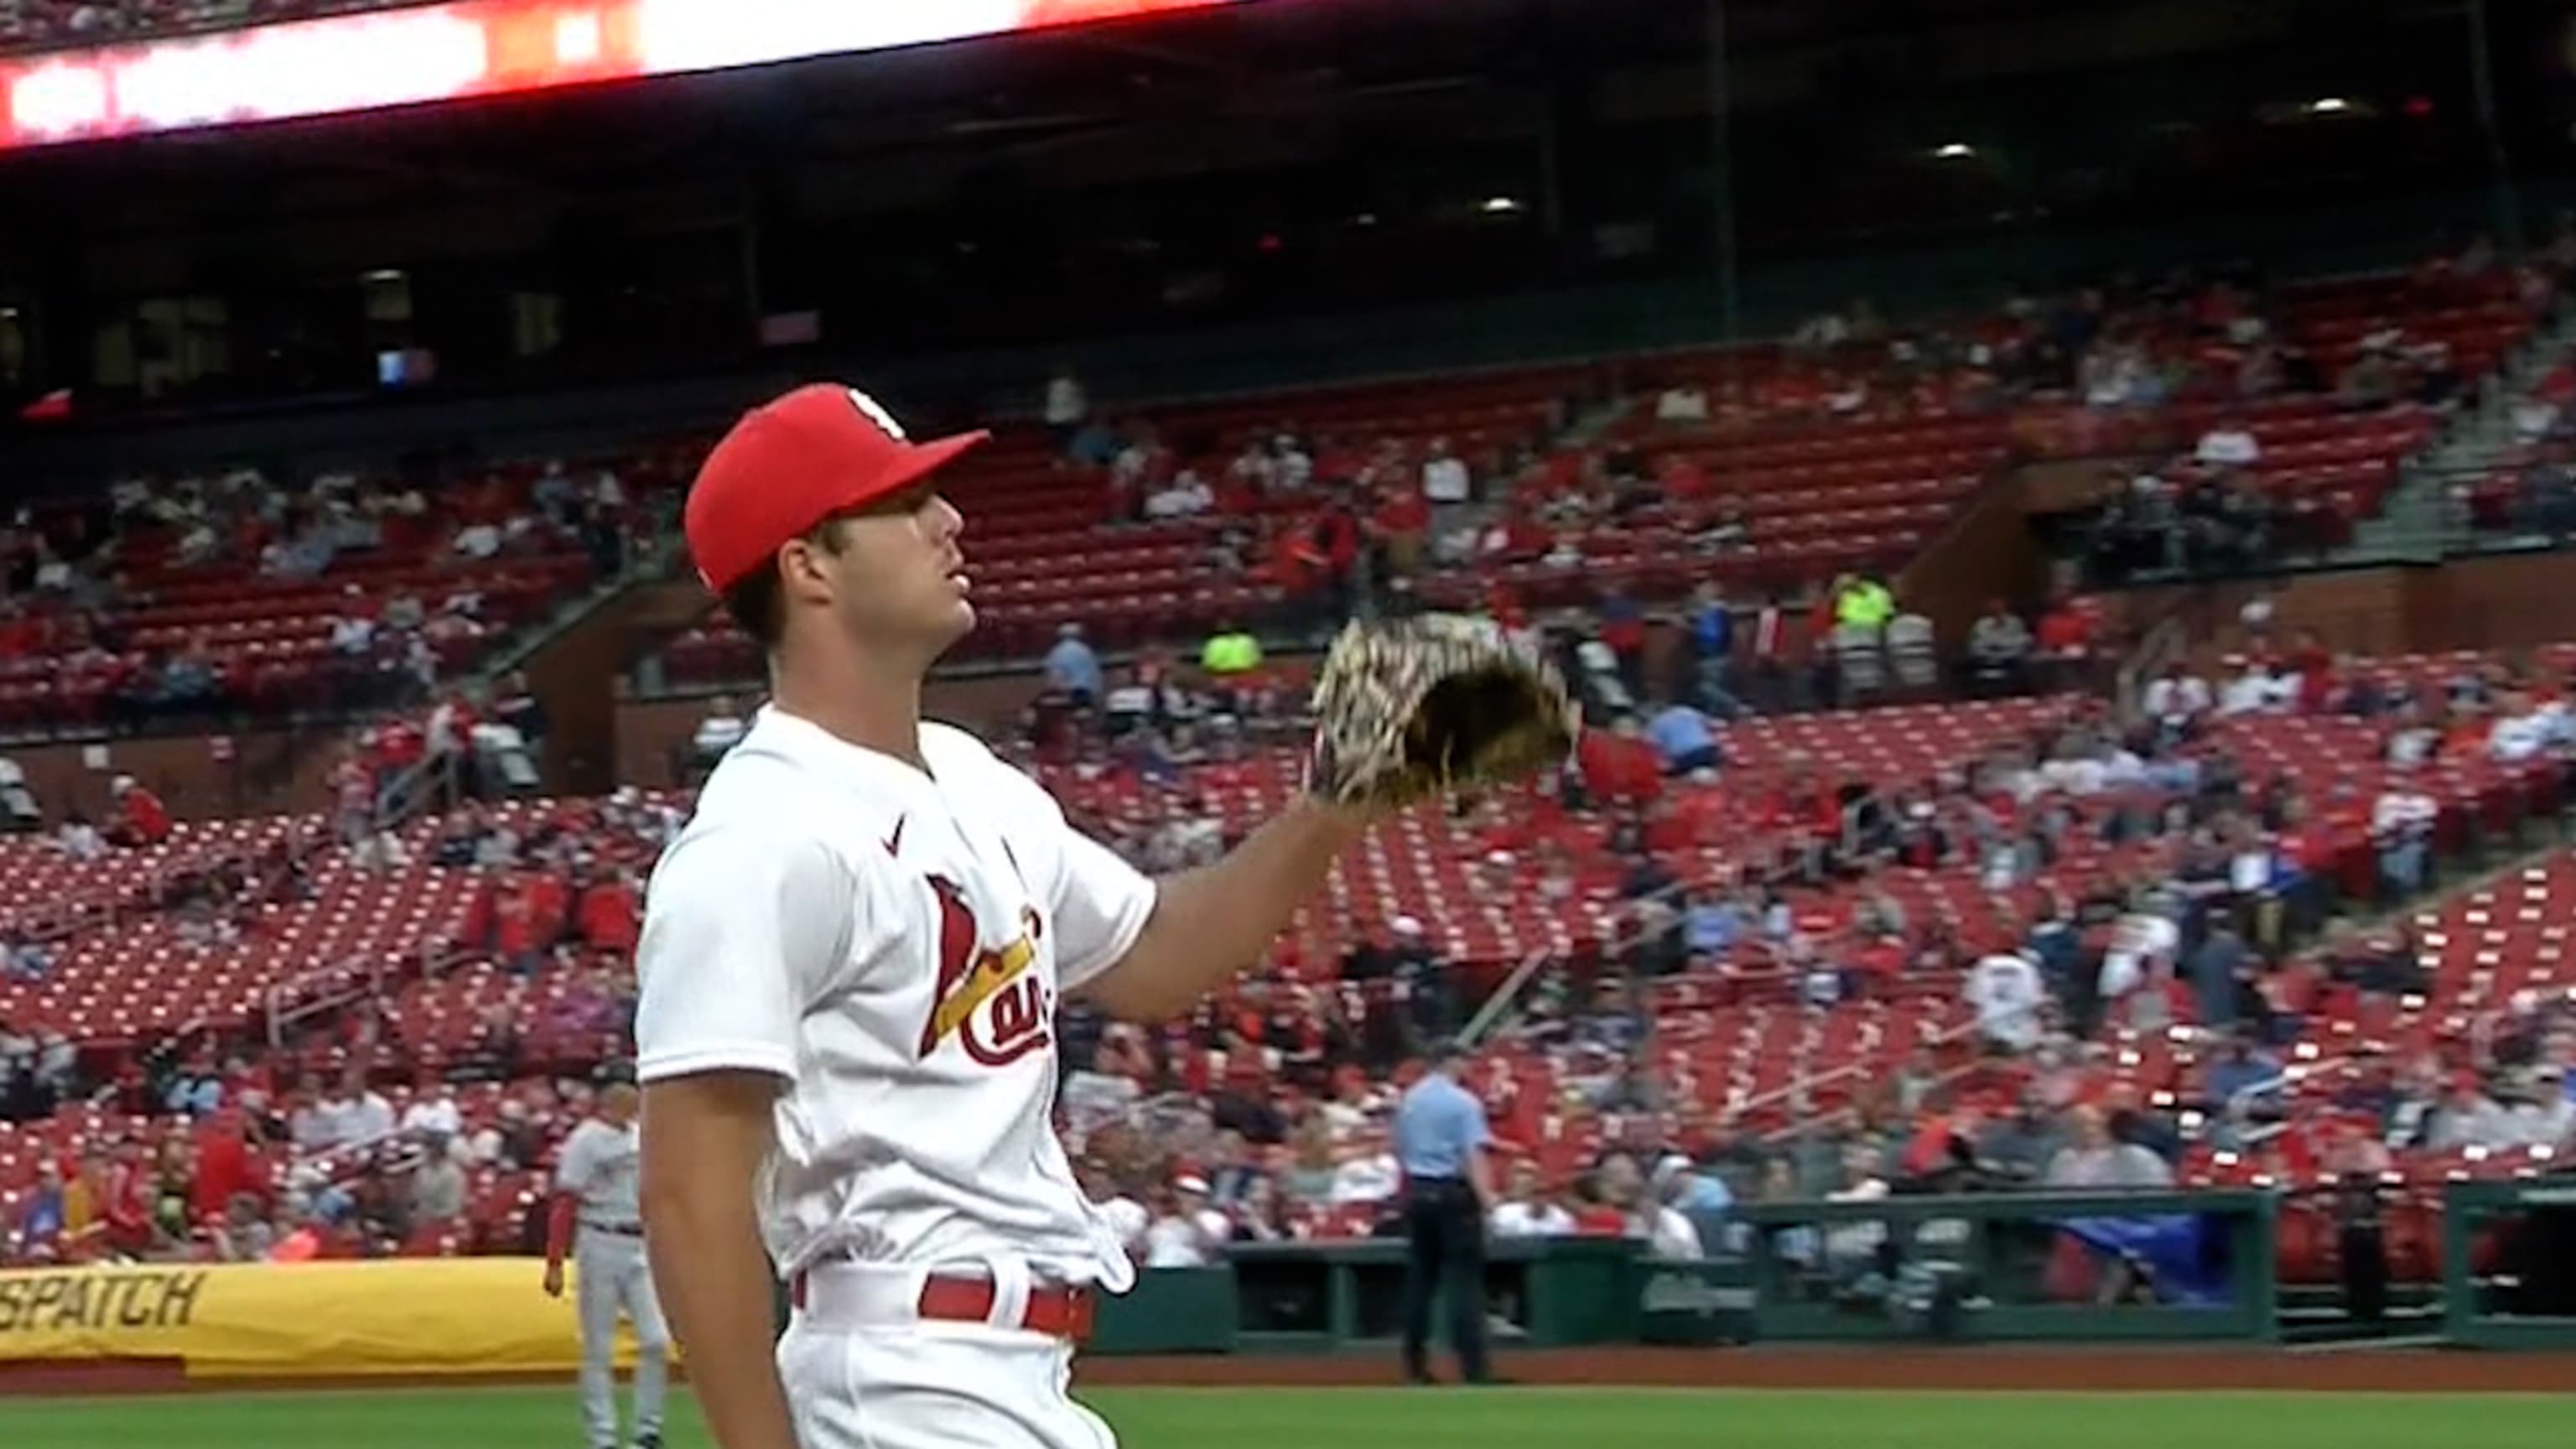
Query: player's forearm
{"x":1212,"y":924}
{"x":561,"y":1213}
{"x":704,"y":1140}
{"x":718,"y":1292}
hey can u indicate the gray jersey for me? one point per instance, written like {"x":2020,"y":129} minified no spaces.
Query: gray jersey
{"x":600,"y":1166}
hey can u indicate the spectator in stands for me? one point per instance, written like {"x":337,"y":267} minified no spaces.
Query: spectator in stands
{"x":1230,"y":653}
{"x":1072,"y":669}
{"x":2098,"y":1159}
{"x":2228,"y":444}
{"x":41,"y":1225}
{"x":718,"y":732}
{"x":1683,"y":740}
{"x":2177,"y":702}
{"x":315,"y":1123}
{"x":136,"y":815}
{"x":2542,"y":1114}
{"x":78,"y":839}
{"x":437,"y":1185}
{"x":2468,"y":1117}
{"x":2401,"y":827}
{"x":1999,"y":649}
{"x":2371,"y":382}
{"x":1525,"y":1211}
{"x":2009,"y":996}
{"x":2401,"y":1097}
{"x":1187,"y":1233}
{"x":1067,"y":407}
{"x":433,"y":1111}
{"x":1446,"y":486}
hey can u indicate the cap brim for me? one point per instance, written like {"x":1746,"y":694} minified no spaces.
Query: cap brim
{"x":920,"y":460}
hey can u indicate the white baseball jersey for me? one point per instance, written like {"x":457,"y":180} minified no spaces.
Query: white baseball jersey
{"x":599,"y":1165}
{"x":891,"y":943}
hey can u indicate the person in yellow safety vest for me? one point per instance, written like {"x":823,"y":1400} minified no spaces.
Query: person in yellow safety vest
{"x":1865,"y":603}
{"x":1230,"y":650}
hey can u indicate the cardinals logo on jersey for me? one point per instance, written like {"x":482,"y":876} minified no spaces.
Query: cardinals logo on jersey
{"x":972,"y":975}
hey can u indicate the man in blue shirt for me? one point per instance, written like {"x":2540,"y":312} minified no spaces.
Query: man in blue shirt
{"x":1681,"y":735}
{"x":1441,"y":1141}
{"x":1072,"y":668}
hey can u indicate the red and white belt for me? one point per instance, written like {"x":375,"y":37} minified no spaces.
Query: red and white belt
{"x":869,"y":1295}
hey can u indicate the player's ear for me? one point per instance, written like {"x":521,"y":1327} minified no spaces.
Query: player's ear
{"x":805,"y":564}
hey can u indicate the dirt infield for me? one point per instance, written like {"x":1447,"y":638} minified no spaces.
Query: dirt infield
{"x":1980,"y":1367}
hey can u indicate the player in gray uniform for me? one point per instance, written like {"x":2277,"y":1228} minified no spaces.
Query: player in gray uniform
{"x":595,"y":1213}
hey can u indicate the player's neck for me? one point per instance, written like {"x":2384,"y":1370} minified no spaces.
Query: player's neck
{"x":875,"y":709}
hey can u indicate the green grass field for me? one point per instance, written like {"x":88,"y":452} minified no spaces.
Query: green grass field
{"x":1511,"y":1418}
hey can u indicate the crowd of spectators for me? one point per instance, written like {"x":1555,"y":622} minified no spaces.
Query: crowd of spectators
{"x":182,"y":602}
{"x":1264,"y":1113}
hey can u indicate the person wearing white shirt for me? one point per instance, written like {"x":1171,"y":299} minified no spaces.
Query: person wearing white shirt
{"x":2401,"y":823}
{"x":1067,"y":404}
{"x":1128,"y":1219}
{"x":1670,"y":1238}
{"x":2175,"y":699}
{"x":2516,"y":737}
{"x":369,"y":1117}
{"x":2228,"y":445}
{"x":1192,"y":1234}
{"x":721,"y":730}
{"x":2140,"y":942}
{"x":80,"y":840}
{"x":2006,"y":991}
{"x":1184,"y":497}
{"x":1523,"y":1213}
{"x":1293,"y":468}
{"x":353,"y":635}
{"x":2080,"y":776}
{"x":434,"y":1111}
{"x":335,"y":1119}
{"x":2523,"y":730}
{"x":2249,"y":691}
{"x":1444,"y":477}
{"x":1368,"y":1177}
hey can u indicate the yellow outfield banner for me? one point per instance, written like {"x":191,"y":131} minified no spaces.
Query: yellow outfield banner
{"x":299,"y":1320}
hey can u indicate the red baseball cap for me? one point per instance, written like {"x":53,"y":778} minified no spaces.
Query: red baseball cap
{"x":793,"y":462}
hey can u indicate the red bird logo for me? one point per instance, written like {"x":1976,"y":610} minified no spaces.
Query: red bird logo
{"x":971,"y":975}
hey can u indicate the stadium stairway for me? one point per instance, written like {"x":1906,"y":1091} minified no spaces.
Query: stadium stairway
{"x":2423,"y":519}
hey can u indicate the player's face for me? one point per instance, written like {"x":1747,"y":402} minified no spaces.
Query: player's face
{"x":901,"y":576}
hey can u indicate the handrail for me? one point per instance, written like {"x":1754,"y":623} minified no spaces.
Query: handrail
{"x":1790,"y":1089}
{"x":1504,"y":994}
{"x":287,"y":1002}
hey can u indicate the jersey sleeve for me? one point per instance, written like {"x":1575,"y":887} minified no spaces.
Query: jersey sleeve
{"x":575,"y":1168}
{"x":1100,"y":904}
{"x":742,"y":929}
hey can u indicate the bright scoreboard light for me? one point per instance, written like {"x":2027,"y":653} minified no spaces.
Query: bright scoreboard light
{"x":474,"y":48}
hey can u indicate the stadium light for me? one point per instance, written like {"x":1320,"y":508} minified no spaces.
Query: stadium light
{"x":1501,"y":205}
{"x":460,"y":49}
{"x":2328,"y":106}
{"x":1954,"y":151}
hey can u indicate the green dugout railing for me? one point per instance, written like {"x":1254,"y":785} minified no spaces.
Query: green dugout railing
{"x":2509,"y":1263}
{"x":2099,"y":1266}
{"x":2107,"y":1266}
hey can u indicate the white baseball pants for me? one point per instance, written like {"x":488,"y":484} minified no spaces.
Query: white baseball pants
{"x":863,"y":1370}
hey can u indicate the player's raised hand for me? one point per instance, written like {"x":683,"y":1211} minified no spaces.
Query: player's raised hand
{"x":554,"y":1280}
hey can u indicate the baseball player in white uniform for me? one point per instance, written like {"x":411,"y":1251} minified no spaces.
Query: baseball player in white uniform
{"x":598,"y":1214}
{"x":851,"y":961}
